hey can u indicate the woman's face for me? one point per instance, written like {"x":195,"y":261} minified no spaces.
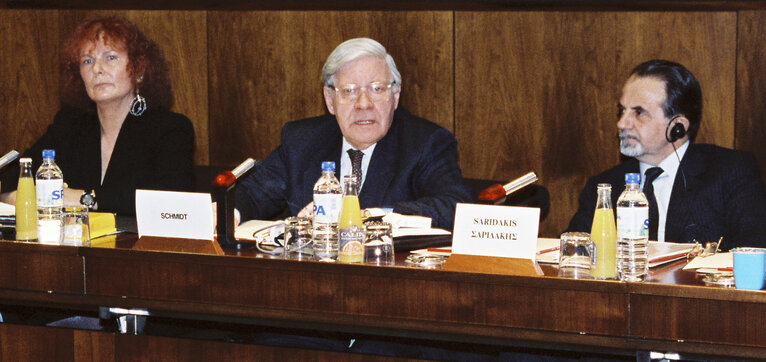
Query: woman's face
{"x":104,"y":70}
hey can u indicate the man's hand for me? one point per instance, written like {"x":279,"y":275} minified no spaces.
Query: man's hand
{"x":307,"y":211}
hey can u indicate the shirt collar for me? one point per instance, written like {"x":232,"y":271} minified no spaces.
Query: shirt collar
{"x":669,"y":165}
{"x":347,"y":146}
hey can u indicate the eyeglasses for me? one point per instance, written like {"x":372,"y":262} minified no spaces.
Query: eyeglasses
{"x":376,"y":91}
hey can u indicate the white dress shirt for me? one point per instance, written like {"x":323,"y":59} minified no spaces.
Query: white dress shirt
{"x":345,"y":163}
{"x":663,"y":185}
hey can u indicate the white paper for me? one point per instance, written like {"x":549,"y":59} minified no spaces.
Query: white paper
{"x":490,"y":230}
{"x":186,"y":215}
{"x":418,"y":232}
{"x":7,"y":209}
{"x":407,"y":221}
{"x":715,"y":261}
{"x":248,"y":229}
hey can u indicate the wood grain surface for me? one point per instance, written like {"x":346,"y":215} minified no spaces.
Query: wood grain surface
{"x":37,"y":343}
{"x":521,"y":90}
{"x":751,"y":85}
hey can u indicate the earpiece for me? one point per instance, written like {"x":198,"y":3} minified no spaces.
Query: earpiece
{"x":676,"y":132}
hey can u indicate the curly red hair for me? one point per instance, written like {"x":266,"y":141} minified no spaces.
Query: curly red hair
{"x":145,"y":61}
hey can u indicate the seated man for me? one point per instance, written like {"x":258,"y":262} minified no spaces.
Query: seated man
{"x":701,"y":192}
{"x":407,"y":164}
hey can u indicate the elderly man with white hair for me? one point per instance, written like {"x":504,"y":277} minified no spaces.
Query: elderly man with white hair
{"x":408,"y":164}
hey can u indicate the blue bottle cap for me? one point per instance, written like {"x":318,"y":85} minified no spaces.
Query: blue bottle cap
{"x":49,"y":154}
{"x":632,"y":178}
{"x":328,"y":166}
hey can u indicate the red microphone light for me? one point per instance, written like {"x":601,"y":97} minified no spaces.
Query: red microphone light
{"x":224,"y":179}
{"x":492,"y":193}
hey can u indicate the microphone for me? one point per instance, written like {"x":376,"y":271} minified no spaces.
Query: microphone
{"x":497,"y":191}
{"x":227,"y":178}
{"x":8,"y":158}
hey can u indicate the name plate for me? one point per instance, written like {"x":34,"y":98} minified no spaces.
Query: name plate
{"x":185,"y":215}
{"x":490,"y":230}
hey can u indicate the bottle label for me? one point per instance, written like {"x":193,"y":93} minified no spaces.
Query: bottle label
{"x":632,"y":222}
{"x":49,"y":231}
{"x":327,"y":207}
{"x":350,"y":241}
{"x":50,"y":193}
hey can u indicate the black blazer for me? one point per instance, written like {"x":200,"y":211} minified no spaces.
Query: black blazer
{"x":413,"y":169}
{"x":719,"y":193}
{"x":153,"y":151}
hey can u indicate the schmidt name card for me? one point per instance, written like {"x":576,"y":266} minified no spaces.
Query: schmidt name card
{"x":185,"y":215}
{"x":501,"y":231}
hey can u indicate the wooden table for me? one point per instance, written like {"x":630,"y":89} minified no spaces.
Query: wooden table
{"x":672,"y":312}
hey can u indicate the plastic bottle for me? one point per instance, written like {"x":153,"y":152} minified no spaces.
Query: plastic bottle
{"x":351,"y":230}
{"x":604,"y":235}
{"x":26,"y":203}
{"x":50,"y":200}
{"x":632,"y":231}
{"x":328,"y":196}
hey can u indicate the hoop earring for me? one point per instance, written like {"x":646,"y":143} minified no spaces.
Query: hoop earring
{"x":137,"y":105}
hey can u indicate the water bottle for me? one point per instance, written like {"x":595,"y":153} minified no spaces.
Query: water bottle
{"x":49,"y":187}
{"x":328,"y":196}
{"x":632,"y":231}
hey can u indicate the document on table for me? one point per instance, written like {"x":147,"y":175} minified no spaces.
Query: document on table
{"x":717,"y":261}
{"x":659,"y":253}
{"x":548,"y":251}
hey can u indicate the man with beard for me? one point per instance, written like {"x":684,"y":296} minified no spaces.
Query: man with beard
{"x":700,"y":192}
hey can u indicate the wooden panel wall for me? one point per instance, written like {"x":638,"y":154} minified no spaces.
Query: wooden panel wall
{"x":751,"y":85}
{"x":521,"y":90}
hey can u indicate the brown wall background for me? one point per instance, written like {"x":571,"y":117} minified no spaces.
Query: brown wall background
{"x":521,"y":90}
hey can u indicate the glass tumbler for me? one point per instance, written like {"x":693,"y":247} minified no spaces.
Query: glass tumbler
{"x":577,"y":255}
{"x":378,"y":244}
{"x":76,"y":225}
{"x":298,"y":238}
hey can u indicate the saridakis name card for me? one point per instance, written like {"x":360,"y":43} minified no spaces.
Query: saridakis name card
{"x":491,"y":230}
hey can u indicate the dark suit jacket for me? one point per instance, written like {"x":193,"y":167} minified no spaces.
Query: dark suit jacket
{"x":413,"y":169}
{"x":719,"y":193}
{"x":153,"y":151}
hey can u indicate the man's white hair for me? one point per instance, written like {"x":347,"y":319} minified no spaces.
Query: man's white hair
{"x":353,"y":49}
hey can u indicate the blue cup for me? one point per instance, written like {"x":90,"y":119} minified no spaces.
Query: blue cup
{"x":749,"y":268}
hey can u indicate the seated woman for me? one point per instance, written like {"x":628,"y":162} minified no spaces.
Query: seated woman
{"x":115,"y":132}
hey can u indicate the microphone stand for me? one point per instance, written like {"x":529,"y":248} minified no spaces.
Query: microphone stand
{"x":224,"y":194}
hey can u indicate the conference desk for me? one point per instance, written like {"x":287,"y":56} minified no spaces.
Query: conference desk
{"x":672,"y":312}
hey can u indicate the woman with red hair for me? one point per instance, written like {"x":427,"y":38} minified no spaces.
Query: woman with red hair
{"x":115,"y":132}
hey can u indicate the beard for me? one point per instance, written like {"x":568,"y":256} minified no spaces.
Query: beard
{"x":630,"y":145}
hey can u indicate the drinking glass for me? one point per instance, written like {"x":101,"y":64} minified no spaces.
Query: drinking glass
{"x":378,"y":243}
{"x":298,"y":240}
{"x":749,"y":268}
{"x":76,"y":225}
{"x":577,"y":255}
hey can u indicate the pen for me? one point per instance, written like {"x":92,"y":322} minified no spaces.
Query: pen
{"x":548,"y":250}
{"x":440,"y":250}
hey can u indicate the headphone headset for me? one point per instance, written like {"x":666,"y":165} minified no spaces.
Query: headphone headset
{"x":676,"y":132}
{"x":673,"y":134}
